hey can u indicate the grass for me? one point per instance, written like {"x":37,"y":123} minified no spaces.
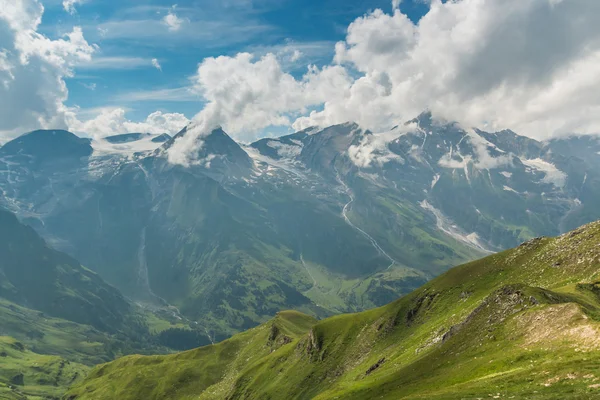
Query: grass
{"x":158,"y":324}
{"x":46,"y":335}
{"x":28,"y":375}
{"x":55,"y":349}
{"x":520,"y":324}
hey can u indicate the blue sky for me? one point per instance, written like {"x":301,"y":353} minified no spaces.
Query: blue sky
{"x":130,"y":33}
{"x":100,"y":67}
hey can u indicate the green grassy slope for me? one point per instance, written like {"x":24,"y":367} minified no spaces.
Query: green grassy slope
{"x":524,"y":323}
{"x":27,"y":375}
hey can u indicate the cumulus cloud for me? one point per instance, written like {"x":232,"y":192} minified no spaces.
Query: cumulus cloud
{"x":113,"y":121}
{"x":172,"y":21}
{"x":33,"y":68}
{"x":528,"y":65}
{"x":156,"y":64}
{"x":296,"y":55}
{"x":69,"y":5}
{"x":374,"y":150}
{"x":245,"y":95}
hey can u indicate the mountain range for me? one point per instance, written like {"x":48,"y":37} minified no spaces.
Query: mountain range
{"x":322,"y":221}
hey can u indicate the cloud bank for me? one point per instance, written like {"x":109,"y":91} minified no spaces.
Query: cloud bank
{"x":245,"y":95}
{"x":528,"y":65}
{"x":112,"y":121}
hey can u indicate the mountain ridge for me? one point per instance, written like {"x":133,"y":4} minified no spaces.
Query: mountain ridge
{"x":325,"y":220}
{"x":513,"y":323}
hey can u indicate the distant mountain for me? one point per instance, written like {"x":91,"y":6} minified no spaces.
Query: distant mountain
{"x":323,"y":221}
{"x":519,"y":324}
{"x":134,"y":137}
{"x":586,"y":148}
{"x":41,"y":147}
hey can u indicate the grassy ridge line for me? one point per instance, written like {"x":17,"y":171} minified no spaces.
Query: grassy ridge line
{"x":220,"y":363}
{"x":522,"y":323}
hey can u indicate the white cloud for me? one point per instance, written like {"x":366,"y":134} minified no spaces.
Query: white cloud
{"x":33,"y":68}
{"x":373,"y":149}
{"x":296,"y":55}
{"x":69,"y":5}
{"x":113,"y":121}
{"x":552,"y":174}
{"x":528,"y":65}
{"x":172,"y":21}
{"x":245,"y":95}
{"x":156,"y":64}
{"x":115,"y":62}
{"x":90,"y":86}
{"x":180,"y":94}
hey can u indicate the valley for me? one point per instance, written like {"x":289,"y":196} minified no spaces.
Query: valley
{"x":254,"y":227}
{"x":321,"y":222}
{"x":523,"y":323}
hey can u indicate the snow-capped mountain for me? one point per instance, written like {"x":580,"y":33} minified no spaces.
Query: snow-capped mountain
{"x":323,"y":220}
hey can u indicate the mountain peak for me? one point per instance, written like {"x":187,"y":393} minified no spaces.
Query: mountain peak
{"x":48,"y":145}
{"x":424,"y":119}
{"x":217,"y":152}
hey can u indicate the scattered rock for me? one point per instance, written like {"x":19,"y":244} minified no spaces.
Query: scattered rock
{"x":314,"y":346}
{"x":18,"y":380}
{"x":375,"y":366}
{"x":465,"y":295}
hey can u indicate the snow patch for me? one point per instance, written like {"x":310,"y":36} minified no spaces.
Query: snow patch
{"x":446,"y":225}
{"x":436,"y":179}
{"x":285,"y":150}
{"x":374,"y":149}
{"x":507,"y":175}
{"x":553,"y":176}
{"x":509,"y":189}
{"x":102,"y":147}
{"x":481,"y":158}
